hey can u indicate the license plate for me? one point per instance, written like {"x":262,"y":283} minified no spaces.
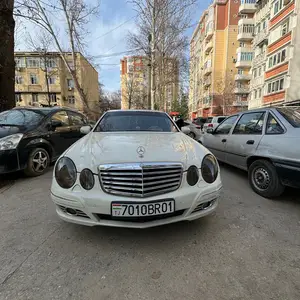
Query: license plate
{"x":142,"y":209}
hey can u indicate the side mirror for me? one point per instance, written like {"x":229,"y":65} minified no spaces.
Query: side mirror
{"x":85,"y":129}
{"x":210,"y":130}
{"x":186,"y":130}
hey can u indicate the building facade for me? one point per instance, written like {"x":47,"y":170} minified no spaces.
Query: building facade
{"x":42,"y":79}
{"x":135,"y":82}
{"x":213,"y":58}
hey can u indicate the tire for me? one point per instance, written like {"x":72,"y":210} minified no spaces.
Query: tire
{"x":38,"y":162}
{"x":192,"y":135}
{"x":264,"y":180}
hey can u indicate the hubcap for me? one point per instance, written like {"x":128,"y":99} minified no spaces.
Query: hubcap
{"x":261,"y":178}
{"x":40,"y":161}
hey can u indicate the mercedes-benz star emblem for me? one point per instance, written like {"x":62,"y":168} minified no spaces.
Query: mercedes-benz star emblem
{"x":141,"y":151}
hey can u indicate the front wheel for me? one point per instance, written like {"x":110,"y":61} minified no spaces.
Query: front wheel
{"x":264,"y":179}
{"x":38,"y":162}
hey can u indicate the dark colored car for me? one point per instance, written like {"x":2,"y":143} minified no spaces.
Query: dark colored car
{"x":32,"y":138}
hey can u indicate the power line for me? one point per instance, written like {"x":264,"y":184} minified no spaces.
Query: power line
{"x":116,"y":54}
{"x":99,"y":37}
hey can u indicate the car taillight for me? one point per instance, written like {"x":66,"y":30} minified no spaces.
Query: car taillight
{"x":198,"y":127}
{"x":210,"y":125}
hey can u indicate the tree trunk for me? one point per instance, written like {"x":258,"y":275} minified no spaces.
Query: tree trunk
{"x":7,"y":62}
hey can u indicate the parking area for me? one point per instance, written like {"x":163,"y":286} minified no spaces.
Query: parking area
{"x":249,"y":249}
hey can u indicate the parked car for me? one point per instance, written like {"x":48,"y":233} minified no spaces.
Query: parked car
{"x":195,"y":130}
{"x":265,"y":142}
{"x":135,"y":169}
{"x":213,"y":122}
{"x":32,"y":138}
{"x":200,"y":121}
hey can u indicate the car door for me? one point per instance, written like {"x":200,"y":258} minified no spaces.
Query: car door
{"x":59,"y":136}
{"x":77,"y":120}
{"x":216,"y":141}
{"x":245,"y":138}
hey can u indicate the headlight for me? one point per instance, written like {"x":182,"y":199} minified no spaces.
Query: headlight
{"x":86,"y":179}
{"x":65,"y":172}
{"x":192,"y":176}
{"x":209,"y":168}
{"x":10,"y":142}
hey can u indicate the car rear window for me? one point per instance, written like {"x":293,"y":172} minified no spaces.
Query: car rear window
{"x":291,"y":114}
{"x":209,"y":120}
{"x":221,"y":119}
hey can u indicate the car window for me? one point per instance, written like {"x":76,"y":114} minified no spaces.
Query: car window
{"x":251,"y":123}
{"x":291,"y":114}
{"x":273,"y":127}
{"x":136,"y":121}
{"x":221,"y":119}
{"x":20,"y":117}
{"x":61,"y":116}
{"x":208,"y":120}
{"x":225,"y":127}
{"x":77,"y":119}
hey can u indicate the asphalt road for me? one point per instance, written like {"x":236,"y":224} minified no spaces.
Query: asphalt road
{"x":250,"y":249}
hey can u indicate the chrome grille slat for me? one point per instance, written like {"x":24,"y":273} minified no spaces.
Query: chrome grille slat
{"x":140,"y":179}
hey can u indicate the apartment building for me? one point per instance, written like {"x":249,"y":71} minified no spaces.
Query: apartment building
{"x":275,"y":68}
{"x":135,"y":82}
{"x":213,"y":57}
{"x":42,"y":79}
{"x":244,"y":50}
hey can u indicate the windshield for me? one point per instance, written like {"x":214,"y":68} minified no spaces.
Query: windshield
{"x":291,"y":114}
{"x":136,"y":121}
{"x":20,"y":117}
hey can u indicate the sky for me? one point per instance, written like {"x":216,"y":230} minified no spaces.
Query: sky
{"x":105,"y":38}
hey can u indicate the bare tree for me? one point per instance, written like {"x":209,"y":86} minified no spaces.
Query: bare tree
{"x":73,"y":15}
{"x":161,"y":34}
{"x":109,"y":100}
{"x":7,"y":62}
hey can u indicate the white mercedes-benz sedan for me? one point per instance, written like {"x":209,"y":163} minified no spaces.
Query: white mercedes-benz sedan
{"x":135,"y":169}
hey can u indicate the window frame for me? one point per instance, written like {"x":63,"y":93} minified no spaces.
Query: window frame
{"x":271,"y":85}
{"x":31,"y":76}
{"x":34,"y":97}
{"x":233,"y":125}
{"x":263,"y":115}
{"x":73,"y":98}
{"x":277,"y":120}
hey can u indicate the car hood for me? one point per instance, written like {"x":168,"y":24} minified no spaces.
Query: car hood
{"x":107,"y":148}
{"x":6,"y":130}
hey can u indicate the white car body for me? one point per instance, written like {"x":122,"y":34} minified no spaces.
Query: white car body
{"x":97,"y":148}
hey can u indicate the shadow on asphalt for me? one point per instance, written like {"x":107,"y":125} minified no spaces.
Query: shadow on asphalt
{"x":289,"y":195}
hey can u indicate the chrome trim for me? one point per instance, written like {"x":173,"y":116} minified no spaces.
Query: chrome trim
{"x":135,"y":180}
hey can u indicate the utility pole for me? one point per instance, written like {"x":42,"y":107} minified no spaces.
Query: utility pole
{"x":153,"y":40}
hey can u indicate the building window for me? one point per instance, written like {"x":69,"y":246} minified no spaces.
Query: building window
{"x":33,"y":79}
{"x":276,"y":86}
{"x":20,"y":62}
{"x":71,"y":99}
{"x":18,"y":97}
{"x":243,"y":16}
{"x":240,"y":71}
{"x":259,"y":71}
{"x":259,"y":93}
{"x":51,"y":80}
{"x":277,"y":58}
{"x":51,"y":62}
{"x":35,"y":98}
{"x":70,"y":83}
{"x":33,"y":62}
{"x":255,"y":94}
{"x":242,"y":44}
{"x":53,"y":98}
{"x":278,"y":5}
{"x":255,"y":73}
{"x":18,"y":79}
{"x":285,"y":28}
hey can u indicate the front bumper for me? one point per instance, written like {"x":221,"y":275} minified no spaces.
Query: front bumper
{"x":9,"y":161}
{"x":94,"y":207}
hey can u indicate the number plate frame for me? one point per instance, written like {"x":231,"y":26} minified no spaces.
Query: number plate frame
{"x":141,"y":203}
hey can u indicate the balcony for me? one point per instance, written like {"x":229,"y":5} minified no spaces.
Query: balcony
{"x":261,"y":37}
{"x":245,"y":37}
{"x":244,"y":21}
{"x":259,"y":59}
{"x":242,"y":90}
{"x":208,"y":46}
{"x":243,"y":64}
{"x":242,"y":77}
{"x":243,"y":49}
{"x":247,"y":7}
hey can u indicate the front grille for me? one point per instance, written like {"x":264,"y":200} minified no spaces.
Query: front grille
{"x":140,"y":179}
{"x":141,"y":219}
